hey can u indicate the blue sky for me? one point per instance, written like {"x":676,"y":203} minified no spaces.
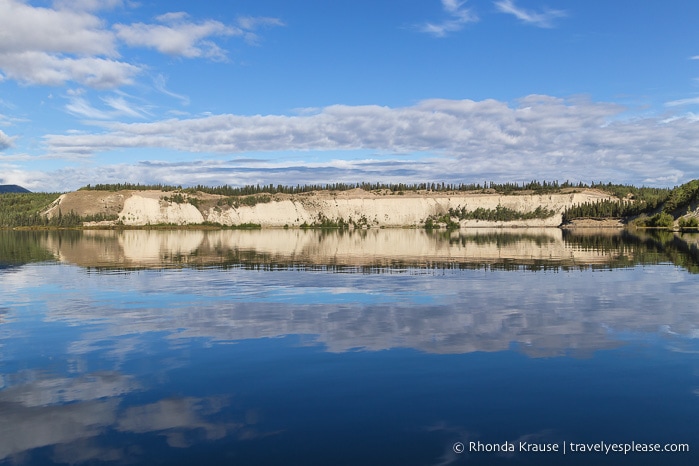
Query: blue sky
{"x":310,"y":91}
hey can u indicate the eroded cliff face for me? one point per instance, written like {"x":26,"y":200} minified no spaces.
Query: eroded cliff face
{"x":139,"y":208}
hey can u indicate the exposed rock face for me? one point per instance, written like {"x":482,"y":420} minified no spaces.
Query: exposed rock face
{"x":139,"y":208}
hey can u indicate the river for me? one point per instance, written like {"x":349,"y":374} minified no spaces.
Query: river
{"x":385,"y":347}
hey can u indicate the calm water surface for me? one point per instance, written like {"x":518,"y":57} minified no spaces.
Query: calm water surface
{"x":366,"y":348}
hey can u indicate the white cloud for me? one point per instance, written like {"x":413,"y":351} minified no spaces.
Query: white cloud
{"x":172,"y":17}
{"x":458,"y":18}
{"x":53,"y":46}
{"x":118,"y":107}
{"x":177,"y":36}
{"x":250,"y":24}
{"x":87,"y":5}
{"x":689,"y":101}
{"x":438,"y":125}
{"x":5,"y":141}
{"x":543,"y":19}
{"x":237,"y":171}
{"x":122,"y":107}
{"x":80,"y":107}
{"x":538,"y":136}
{"x":24,"y":28}
{"x":33,"y":180}
{"x":160,"y":83}
{"x":36,"y":67}
{"x":50,"y":47}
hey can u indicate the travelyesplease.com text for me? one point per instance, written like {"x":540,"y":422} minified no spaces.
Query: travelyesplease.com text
{"x":606,"y":448}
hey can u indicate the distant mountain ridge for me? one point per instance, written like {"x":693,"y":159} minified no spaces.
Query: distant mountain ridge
{"x":12,"y":188}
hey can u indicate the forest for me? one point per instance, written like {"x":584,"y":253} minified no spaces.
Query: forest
{"x":24,"y":210}
{"x":656,"y":207}
{"x":536,"y":187}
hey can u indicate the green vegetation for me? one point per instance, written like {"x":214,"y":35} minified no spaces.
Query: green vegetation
{"x":653,"y":197}
{"x":689,"y":223}
{"x":649,"y":198}
{"x":129,"y":186}
{"x":499,"y":214}
{"x":69,"y":220}
{"x":24,"y":210}
{"x":659,"y":220}
{"x":443,"y":220}
{"x":237,"y":201}
{"x":632,"y":201}
{"x":604,"y":209}
{"x":643,"y":203}
{"x":176,"y":198}
{"x":538,"y":187}
{"x":681,"y":197}
{"x":620,"y":209}
{"x":324,"y":222}
{"x":179,"y":198}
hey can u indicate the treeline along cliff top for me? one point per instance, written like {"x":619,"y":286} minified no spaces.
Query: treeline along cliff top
{"x":358,"y":205}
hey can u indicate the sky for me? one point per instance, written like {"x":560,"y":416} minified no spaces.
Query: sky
{"x":287,"y":92}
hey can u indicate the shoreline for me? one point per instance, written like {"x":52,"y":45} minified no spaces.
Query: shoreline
{"x":611,"y":225}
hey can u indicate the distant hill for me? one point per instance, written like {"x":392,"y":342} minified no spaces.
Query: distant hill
{"x":12,"y":188}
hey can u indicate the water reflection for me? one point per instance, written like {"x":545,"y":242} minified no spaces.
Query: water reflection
{"x":457,"y":312}
{"x":366,"y":250}
{"x":191,"y":358}
{"x":81,"y":430}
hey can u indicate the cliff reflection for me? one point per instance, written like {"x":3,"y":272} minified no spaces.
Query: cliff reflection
{"x":372,"y":249}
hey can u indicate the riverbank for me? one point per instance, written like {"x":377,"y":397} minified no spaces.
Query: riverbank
{"x":354,"y":208}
